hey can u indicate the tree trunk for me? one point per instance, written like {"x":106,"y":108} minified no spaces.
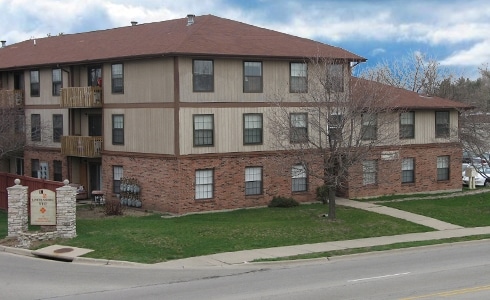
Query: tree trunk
{"x":331,"y":203}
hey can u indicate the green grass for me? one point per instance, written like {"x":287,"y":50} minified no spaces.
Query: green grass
{"x":466,"y":210}
{"x":153,"y":239}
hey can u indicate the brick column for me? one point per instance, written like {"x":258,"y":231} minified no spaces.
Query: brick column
{"x":66,"y":211}
{"x":18,"y":217}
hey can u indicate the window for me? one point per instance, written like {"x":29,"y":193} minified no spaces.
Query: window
{"x":442,"y":124}
{"x":35,"y":87}
{"x":35,"y":168}
{"x":118,"y":129}
{"x":117,"y":78}
{"x":335,"y":125}
{"x":203,"y":130}
{"x":298,"y":80}
{"x":407,"y":125}
{"x":95,"y":76}
{"x":299,"y":128}
{"x":369,"y":172}
{"x":19,"y":166}
{"x":408,"y":174}
{"x":204,"y":184}
{"x":57,"y":82}
{"x":252,"y":129}
{"x":335,"y":78}
{"x":57,"y":128}
{"x":442,"y":168}
{"x":299,"y":183}
{"x":203,"y":75}
{"x":253,"y":181}
{"x":369,"y":126}
{"x":117,"y":175}
{"x":252,"y":77}
{"x":19,"y":124}
{"x":58,"y":170}
{"x":36,"y":127}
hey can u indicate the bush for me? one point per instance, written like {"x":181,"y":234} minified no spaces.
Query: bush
{"x":322,"y":194}
{"x":113,"y":207}
{"x":283,"y":202}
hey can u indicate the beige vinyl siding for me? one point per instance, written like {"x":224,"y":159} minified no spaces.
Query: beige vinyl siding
{"x":228,"y":82}
{"x":228,"y":130}
{"x":145,"y":81}
{"x":425,"y":128}
{"x":146,"y":130}
{"x":46,"y":126}
{"x":46,"y":92}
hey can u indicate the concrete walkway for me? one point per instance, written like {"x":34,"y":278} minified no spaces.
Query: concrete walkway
{"x":443,"y":230}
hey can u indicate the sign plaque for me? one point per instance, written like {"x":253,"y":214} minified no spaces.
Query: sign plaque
{"x":43,"y":207}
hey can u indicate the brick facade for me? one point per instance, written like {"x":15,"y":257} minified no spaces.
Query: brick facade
{"x":45,"y":155}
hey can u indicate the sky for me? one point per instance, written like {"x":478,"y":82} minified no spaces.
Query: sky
{"x":456,"y":33}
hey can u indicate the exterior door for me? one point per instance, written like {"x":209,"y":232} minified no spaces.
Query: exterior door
{"x":95,"y":171}
{"x":95,"y":125}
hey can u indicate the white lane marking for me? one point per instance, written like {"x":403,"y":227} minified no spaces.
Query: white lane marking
{"x":378,"y":277}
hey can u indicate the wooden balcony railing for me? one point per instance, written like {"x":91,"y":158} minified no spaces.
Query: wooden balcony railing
{"x":81,"y":146}
{"x":11,"y":98}
{"x":79,"y":97}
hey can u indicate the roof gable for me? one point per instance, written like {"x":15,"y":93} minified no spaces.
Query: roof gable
{"x":209,"y":35}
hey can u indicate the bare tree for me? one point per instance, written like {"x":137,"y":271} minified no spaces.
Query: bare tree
{"x":12,"y":123}
{"x":415,"y":72}
{"x":340,"y":118}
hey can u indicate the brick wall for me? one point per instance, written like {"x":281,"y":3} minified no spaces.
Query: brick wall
{"x":45,"y":155}
{"x":389,"y":172}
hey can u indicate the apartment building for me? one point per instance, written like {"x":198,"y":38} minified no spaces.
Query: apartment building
{"x":183,"y":106}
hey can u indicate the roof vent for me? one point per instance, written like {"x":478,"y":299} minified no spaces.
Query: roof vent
{"x":190,"y":19}
{"x":134,"y":23}
{"x":4,"y":43}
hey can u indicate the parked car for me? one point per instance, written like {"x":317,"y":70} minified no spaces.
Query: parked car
{"x":482,"y":175}
{"x":471,"y":158}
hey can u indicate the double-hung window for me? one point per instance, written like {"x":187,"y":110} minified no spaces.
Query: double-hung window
{"x":204,"y":184}
{"x":298,"y":79}
{"x":57,"y":127}
{"x":252,"y":77}
{"x":335,"y":125}
{"x":202,"y":75}
{"x":442,"y":168}
{"x":36,"y":127}
{"x":369,"y":126}
{"x":369,"y":172}
{"x":298,"y":128}
{"x":117,"y":78}
{"x":118,"y":129}
{"x":203,"y":130}
{"x":407,"y":125}
{"x":117,"y":175}
{"x":252,"y":129}
{"x":299,"y":178}
{"x":442,"y":124}
{"x":35,"y":86}
{"x":408,"y":170}
{"x":335,"y":77}
{"x":57,"y":82}
{"x":253,"y":181}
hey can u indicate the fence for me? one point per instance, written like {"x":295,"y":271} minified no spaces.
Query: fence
{"x":7,"y":180}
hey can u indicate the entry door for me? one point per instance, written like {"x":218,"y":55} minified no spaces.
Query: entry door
{"x":43,"y":170}
{"x":95,"y":125}
{"x":95,"y":176}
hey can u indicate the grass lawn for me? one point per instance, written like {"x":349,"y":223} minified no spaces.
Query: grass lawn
{"x":152,"y":239}
{"x":466,"y":210}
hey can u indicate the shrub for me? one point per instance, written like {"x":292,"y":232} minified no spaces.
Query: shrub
{"x":279,"y":201}
{"x":322,"y":194}
{"x":113,"y":207}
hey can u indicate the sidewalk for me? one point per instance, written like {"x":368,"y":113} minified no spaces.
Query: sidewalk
{"x":443,"y":230}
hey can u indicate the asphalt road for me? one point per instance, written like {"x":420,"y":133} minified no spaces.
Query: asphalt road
{"x":451,"y":271}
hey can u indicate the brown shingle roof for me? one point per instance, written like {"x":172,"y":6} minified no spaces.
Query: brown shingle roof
{"x":209,"y":35}
{"x":405,"y":99}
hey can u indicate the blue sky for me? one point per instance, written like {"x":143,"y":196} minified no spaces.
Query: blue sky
{"x":454,"y":32}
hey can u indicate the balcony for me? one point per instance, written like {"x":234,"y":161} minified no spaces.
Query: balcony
{"x":81,"y":97}
{"x":81,"y":146}
{"x":11,"y":98}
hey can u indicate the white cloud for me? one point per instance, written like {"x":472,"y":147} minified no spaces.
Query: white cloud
{"x":475,"y":56}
